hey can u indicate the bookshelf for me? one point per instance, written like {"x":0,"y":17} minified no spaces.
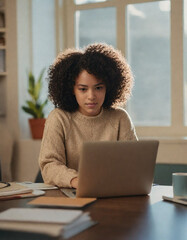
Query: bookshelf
{"x":3,"y":51}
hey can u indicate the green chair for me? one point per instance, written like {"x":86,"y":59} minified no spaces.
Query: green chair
{"x":163,"y":172}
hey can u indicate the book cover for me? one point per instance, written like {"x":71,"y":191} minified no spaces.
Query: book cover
{"x":62,"y":202}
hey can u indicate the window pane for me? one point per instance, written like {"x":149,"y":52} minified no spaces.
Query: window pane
{"x":148,"y":48}
{"x":185,"y":60}
{"x":88,"y":1}
{"x":95,"y":25}
{"x":36,"y":50}
{"x":43,"y":36}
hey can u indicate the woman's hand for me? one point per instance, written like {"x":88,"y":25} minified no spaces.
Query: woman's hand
{"x":74,"y":182}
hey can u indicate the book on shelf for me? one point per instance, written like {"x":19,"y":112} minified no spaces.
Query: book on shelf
{"x":51,"y":222}
{"x":2,"y":60}
{"x":2,"y":19}
{"x":2,"y":40}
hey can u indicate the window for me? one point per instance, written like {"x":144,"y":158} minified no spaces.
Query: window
{"x":87,"y":1}
{"x":43,"y":29}
{"x":95,"y":25}
{"x":151,"y":36}
{"x":148,"y":53}
{"x":36,"y":49}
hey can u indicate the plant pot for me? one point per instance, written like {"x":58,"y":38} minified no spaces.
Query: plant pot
{"x":37,"y":127}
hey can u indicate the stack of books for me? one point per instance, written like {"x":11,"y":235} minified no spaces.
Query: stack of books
{"x":42,"y":221}
{"x":33,"y":222}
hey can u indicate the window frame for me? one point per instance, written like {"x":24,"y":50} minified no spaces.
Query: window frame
{"x":177,"y":127}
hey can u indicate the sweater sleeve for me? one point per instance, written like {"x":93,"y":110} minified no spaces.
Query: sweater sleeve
{"x":52,"y":158}
{"x":126,"y":130}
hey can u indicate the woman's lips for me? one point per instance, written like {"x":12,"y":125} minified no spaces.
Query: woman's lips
{"x":91,"y":104}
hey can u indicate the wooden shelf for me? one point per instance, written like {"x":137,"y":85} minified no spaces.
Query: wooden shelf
{"x":2,"y":30}
{"x":3,"y":74}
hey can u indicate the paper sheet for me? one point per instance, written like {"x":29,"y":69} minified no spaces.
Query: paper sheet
{"x":14,"y":188}
{"x":39,"y":186}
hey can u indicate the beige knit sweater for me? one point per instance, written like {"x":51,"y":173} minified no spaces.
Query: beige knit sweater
{"x":64,"y":134}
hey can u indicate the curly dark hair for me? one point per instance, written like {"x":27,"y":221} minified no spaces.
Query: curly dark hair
{"x":100,"y":60}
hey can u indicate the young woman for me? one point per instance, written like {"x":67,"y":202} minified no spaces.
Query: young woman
{"x":86,"y":86}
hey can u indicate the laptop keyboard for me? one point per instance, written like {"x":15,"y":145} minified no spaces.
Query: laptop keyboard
{"x":69,"y":192}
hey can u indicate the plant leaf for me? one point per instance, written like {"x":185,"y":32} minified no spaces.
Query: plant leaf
{"x":38,"y":85}
{"x":31,"y":105}
{"x":37,"y":90}
{"x":41,"y":108}
{"x":41,"y":75}
{"x":29,"y":111}
{"x":35,"y":108}
{"x":31,"y":84}
{"x":39,"y":113}
{"x":44,"y":103}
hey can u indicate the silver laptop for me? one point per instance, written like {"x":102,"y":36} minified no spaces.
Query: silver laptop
{"x":109,"y":169}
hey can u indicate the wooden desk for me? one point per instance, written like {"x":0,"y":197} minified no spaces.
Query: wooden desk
{"x":132,"y":218}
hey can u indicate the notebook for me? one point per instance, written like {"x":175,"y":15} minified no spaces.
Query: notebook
{"x":110,"y":169}
{"x":61,"y":202}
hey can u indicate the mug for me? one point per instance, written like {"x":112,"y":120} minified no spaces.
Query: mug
{"x":179,"y":181}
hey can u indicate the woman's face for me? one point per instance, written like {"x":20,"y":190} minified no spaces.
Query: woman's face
{"x":90,"y":93}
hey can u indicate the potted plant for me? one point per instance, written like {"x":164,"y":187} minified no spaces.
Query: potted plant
{"x":34,"y":106}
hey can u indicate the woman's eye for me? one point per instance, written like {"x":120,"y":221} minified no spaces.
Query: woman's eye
{"x":82,"y":89}
{"x":99,"y":88}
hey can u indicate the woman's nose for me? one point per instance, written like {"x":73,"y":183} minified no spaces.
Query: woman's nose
{"x":91,"y":95}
